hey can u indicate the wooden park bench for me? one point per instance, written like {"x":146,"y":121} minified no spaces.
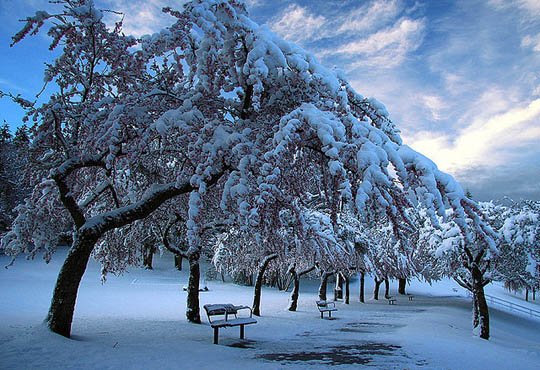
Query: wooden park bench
{"x":325,"y":306}
{"x":391,"y":300}
{"x":410,"y":297}
{"x":226,"y":315}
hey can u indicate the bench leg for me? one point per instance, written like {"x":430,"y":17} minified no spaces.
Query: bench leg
{"x":329,"y":314}
{"x":241,"y":331}
{"x":216,"y":333}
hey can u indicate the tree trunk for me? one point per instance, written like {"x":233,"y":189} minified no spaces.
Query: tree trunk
{"x":376,"y":291}
{"x":362,"y":286}
{"x":294,"y":294}
{"x":401,"y":286}
{"x":386,"y":288}
{"x":534,"y":294}
{"x":324,"y":282}
{"x":475,"y":313}
{"x":338,"y":290}
{"x":148,"y":256}
{"x":347,"y":289}
{"x":178,"y":262}
{"x":258,"y":283}
{"x":60,"y":314}
{"x":295,"y":278}
{"x":192,"y":309}
{"x":527,"y":294}
{"x":480,"y":298}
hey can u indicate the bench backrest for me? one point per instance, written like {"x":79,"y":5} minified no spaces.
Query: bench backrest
{"x":219,"y":309}
{"x":322,"y":304}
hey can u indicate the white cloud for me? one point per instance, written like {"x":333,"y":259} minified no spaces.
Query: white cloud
{"x":386,"y":48}
{"x":372,"y":34}
{"x":532,"y":42}
{"x":488,"y":141}
{"x":434,"y":104}
{"x":530,"y":7}
{"x":369,"y":16}
{"x":297,"y":24}
{"x":142,"y":18}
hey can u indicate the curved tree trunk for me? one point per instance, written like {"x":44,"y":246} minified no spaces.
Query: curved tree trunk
{"x":401,"y":286}
{"x":324,"y":283}
{"x":62,"y":307}
{"x":296,"y":288}
{"x":295,"y":277}
{"x":362,"y":286}
{"x":258,"y":283}
{"x":192,"y":309}
{"x":376,"y":290}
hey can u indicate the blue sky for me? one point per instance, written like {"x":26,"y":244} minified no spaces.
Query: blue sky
{"x":460,"y":78}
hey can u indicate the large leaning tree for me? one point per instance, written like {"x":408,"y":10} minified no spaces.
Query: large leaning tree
{"x":213,"y":106}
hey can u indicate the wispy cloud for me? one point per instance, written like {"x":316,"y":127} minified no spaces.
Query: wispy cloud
{"x":372,"y":35}
{"x":297,"y":24}
{"x":530,"y":7}
{"x":369,"y":16}
{"x":386,"y":48}
{"x":10,"y":85}
{"x":141,"y":18}
{"x":532,"y":42}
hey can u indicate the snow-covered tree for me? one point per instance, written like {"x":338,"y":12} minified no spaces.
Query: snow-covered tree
{"x":222,"y":110}
{"x":519,"y":262}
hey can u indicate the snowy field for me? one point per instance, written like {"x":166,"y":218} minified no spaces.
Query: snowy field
{"x":137,"y":321}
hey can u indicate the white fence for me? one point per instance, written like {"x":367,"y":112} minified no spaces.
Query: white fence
{"x":510,"y":306}
{"x":513,"y":307}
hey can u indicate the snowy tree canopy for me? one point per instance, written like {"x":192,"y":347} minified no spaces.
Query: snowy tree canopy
{"x":215,"y":94}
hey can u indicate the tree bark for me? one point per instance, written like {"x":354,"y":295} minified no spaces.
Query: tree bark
{"x":178,"y":262}
{"x":338,"y":290}
{"x":192,"y":309}
{"x":60,"y":315}
{"x":480,"y":298}
{"x":386,"y":288}
{"x":324,"y":283}
{"x":347,"y":289}
{"x":401,"y":286}
{"x":258,"y":283}
{"x":475,"y":313}
{"x":295,"y":292}
{"x":62,"y":307}
{"x":148,"y":257}
{"x":376,"y":290}
{"x":295,"y":277}
{"x":362,"y":286}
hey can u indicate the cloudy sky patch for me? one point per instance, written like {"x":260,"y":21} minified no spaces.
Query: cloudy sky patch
{"x":461,"y":78}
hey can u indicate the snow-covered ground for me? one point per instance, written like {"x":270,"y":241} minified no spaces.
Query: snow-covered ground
{"x":137,"y":321}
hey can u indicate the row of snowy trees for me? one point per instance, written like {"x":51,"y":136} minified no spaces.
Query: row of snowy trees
{"x":215,"y":131}
{"x":14,"y":179}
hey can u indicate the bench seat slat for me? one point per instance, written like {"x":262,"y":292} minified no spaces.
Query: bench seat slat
{"x":233,"y":322}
